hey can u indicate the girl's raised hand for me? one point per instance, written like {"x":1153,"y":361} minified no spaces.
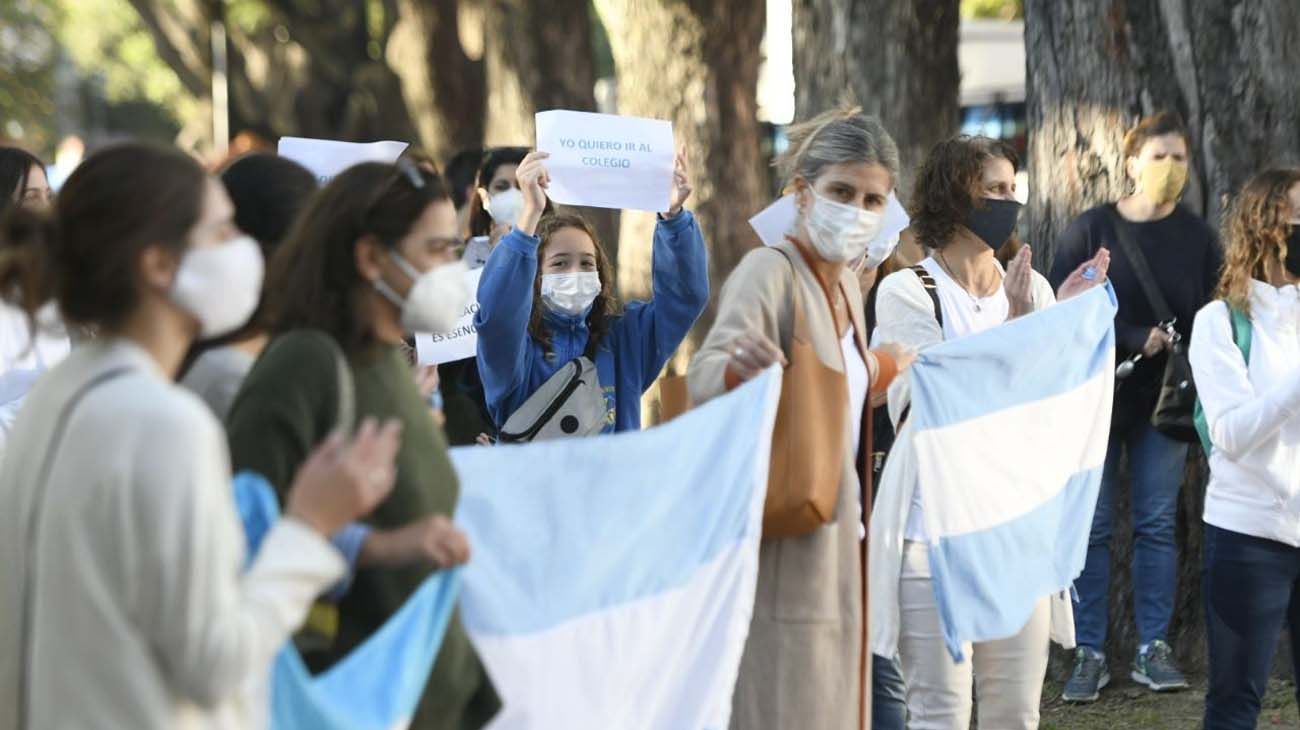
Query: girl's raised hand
{"x":681,"y":184}
{"x":533,"y":181}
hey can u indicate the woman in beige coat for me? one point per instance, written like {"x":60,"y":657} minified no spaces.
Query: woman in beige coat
{"x":806,"y":663}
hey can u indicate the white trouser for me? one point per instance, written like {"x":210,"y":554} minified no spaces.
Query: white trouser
{"x":1008,"y":674}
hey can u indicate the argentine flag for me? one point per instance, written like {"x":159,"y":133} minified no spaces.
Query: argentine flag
{"x":378,"y":684}
{"x":612,"y":578}
{"x":1010,"y":430}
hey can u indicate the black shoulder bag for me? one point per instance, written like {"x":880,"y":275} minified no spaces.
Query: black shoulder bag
{"x":1175,"y":406}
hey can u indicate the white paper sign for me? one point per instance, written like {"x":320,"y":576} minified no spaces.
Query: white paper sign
{"x":326,"y":158}
{"x":773,"y":222}
{"x":607,"y":161}
{"x":461,"y":342}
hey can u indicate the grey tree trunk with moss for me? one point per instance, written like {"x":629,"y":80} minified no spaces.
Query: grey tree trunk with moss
{"x":1094,"y":69}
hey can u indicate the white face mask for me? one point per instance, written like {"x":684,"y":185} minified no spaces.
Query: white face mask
{"x":505,"y":206}
{"x":840,"y":232}
{"x":437,"y":298}
{"x":220,"y":285}
{"x":570,"y":294}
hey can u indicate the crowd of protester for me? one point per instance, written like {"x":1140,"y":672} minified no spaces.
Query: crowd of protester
{"x":164,"y":328}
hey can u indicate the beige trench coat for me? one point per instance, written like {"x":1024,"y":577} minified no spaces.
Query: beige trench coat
{"x":803,"y":662}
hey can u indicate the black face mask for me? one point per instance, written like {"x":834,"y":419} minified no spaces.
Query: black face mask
{"x":994,"y":222}
{"x":1292,"y":260}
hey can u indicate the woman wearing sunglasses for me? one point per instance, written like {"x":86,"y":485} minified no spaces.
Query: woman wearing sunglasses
{"x":372,"y":259}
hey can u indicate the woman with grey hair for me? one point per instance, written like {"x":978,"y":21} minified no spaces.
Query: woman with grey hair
{"x":798,"y":303}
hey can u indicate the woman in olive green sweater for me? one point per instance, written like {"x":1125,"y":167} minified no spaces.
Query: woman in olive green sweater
{"x":368,"y":262}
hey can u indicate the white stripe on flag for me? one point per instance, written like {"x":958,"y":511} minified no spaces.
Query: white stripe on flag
{"x":1056,"y":438}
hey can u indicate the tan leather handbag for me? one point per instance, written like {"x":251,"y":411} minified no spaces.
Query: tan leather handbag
{"x":808,"y":442}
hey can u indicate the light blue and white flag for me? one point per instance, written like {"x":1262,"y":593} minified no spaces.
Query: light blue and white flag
{"x":378,"y":684}
{"x":612,"y":578}
{"x":1010,"y":431}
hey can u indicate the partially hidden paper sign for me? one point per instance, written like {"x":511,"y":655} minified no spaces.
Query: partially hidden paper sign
{"x":326,"y":158}
{"x":773,"y":222}
{"x":606,"y":160}
{"x":461,"y":342}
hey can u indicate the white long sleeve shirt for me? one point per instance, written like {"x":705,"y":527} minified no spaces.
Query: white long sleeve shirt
{"x":123,"y":600}
{"x":1253,"y":414}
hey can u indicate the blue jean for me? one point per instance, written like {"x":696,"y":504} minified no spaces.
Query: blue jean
{"x":1156,"y":466}
{"x":888,"y":695}
{"x":1249,"y":585}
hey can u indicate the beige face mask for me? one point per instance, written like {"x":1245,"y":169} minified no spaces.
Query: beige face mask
{"x":1162,"y":181}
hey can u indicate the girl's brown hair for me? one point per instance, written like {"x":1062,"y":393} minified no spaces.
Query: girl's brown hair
{"x":1156,"y":125}
{"x":312,"y":281}
{"x":603,"y":310}
{"x":1255,"y":232}
{"x":85,"y":252}
{"x":947,"y":186}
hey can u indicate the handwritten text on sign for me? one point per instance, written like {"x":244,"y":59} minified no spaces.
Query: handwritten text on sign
{"x":461,"y":342}
{"x":607,"y":161}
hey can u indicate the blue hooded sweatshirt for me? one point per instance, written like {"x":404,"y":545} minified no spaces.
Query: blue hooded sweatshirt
{"x":513,"y":365}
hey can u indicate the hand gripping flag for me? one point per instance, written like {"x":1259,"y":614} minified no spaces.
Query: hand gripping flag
{"x":378,"y":684}
{"x":1010,"y":430}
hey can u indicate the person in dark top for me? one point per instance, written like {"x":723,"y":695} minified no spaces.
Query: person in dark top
{"x":343,"y":291}
{"x":1185,"y":257}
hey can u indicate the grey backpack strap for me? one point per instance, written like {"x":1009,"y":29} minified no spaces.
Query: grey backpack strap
{"x":347,"y":404}
{"x":40,"y":498}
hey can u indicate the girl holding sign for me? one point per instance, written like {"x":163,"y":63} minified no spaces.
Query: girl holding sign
{"x":546,"y":300}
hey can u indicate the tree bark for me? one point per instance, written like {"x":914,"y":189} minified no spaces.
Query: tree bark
{"x":662,"y":55}
{"x":444,"y":87}
{"x":695,"y":63}
{"x":897,"y":58}
{"x":311,"y":71}
{"x":1094,"y":69}
{"x":540,"y":57}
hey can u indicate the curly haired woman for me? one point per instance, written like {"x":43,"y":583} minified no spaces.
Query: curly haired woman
{"x":1245,"y":354}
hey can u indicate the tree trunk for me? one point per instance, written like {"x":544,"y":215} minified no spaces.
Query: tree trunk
{"x":441,"y":82}
{"x":696,"y":64}
{"x":1095,"y":68}
{"x":327,"y":72}
{"x":898,"y":59}
{"x":540,"y":57}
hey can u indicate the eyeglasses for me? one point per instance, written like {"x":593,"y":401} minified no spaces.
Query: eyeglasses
{"x":405,"y":170}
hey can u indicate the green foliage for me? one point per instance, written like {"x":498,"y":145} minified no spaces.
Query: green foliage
{"x":87,"y":66}
{"x":107,"y":40}
{"x":993,"y":9}
{"x":29,"y":58}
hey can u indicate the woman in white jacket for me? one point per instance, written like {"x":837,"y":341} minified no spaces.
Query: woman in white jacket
{"x":964,"y":209}
{"x":124,"y":600}
{"x":1251,"y":571}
